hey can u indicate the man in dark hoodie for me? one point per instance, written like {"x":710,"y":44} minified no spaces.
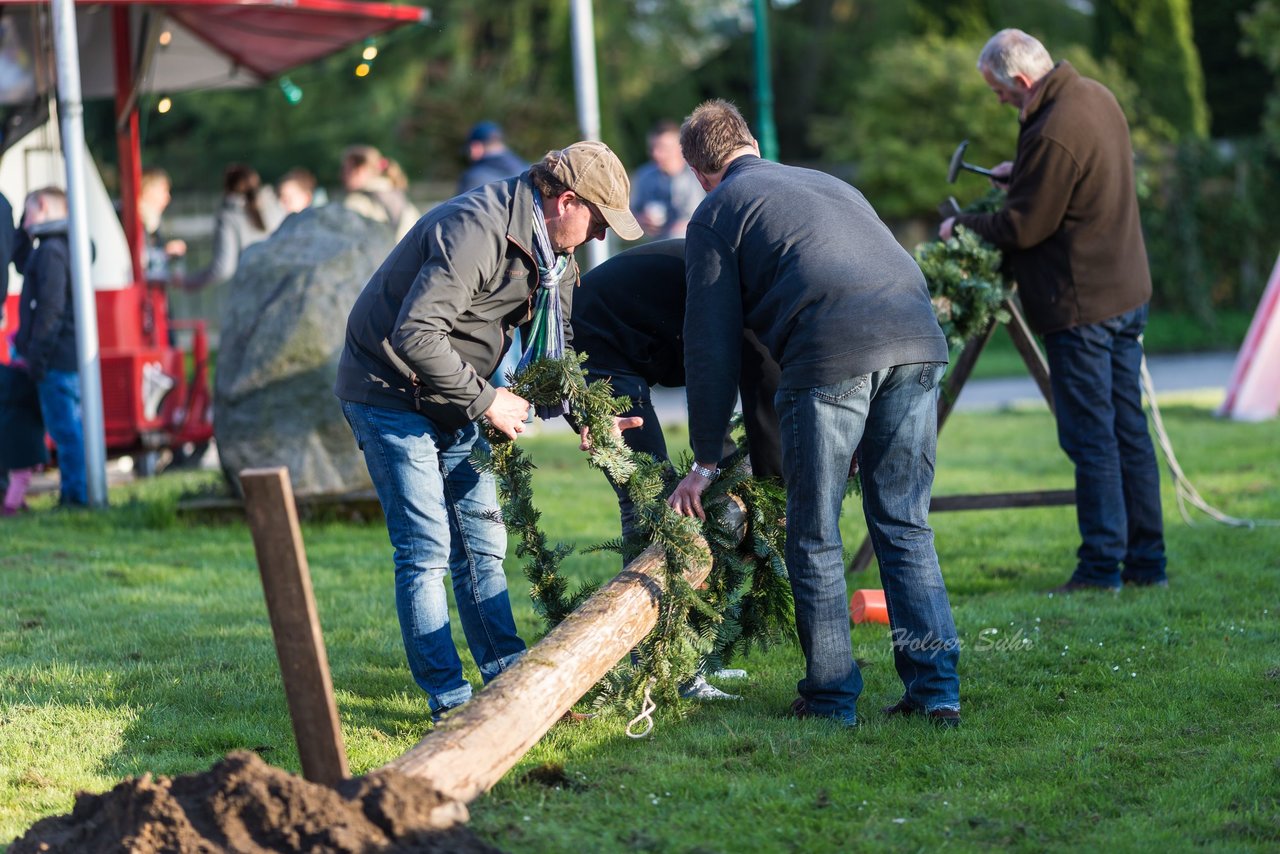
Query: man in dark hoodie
{"x":1071,"y":232}
{"x":46,"y":339}
{"x":427,"y":330}
{"x":801,"y":259}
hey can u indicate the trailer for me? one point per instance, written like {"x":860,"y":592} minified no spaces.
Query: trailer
{"x":155,"y":371}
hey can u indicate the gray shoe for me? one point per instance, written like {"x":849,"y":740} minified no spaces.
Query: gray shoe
{"x":729,"y":673}
{"x":698,"y":688}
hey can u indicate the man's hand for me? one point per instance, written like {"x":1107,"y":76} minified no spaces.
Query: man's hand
{"x":175,"y":248}
{"x":507,"y":413}
{"x":1000,"y":175}
{"x":619,"y":424}
{"x":948,"y":225}
{"x":687,"y":499}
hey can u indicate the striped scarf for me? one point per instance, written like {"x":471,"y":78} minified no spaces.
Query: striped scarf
{"x":546,"y":333}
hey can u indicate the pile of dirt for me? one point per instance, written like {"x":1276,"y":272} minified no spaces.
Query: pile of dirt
{"x":243,"y":804}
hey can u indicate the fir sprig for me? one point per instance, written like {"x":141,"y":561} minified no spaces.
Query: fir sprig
{"x":965,"y":284}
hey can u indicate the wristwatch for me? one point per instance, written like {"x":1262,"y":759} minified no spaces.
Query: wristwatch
{"x":703,"y":471}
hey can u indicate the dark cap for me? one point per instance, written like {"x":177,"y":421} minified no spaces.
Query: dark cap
{"x":485,"y":131}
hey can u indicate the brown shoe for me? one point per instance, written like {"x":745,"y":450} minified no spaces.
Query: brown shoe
{"x":947,"y":718}
{"x":800,"y":709}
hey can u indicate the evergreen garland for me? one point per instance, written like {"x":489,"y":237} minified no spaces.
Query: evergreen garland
{"x":964,"y":277}
{"x":746,"y":600}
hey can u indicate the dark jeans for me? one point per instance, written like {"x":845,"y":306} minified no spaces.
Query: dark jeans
{"x":1095,"y":370}
{"x":889,"y":419}
{"x":60,"y":407}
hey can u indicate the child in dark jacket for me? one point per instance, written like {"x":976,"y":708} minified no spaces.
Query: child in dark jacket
{"x":46,"y":337}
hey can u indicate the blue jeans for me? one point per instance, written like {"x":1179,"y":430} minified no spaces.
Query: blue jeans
{"x":889,"y":418}
{"x":442,"y":518}
{"x":1095,"y":371}
{"x":60,"y":408}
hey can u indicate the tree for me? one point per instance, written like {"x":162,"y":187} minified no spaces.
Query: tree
{"x":1152,"y":41}
{"x":1235,"y":85}
{"x":918,"y":99}
{"x":1261,"y":29}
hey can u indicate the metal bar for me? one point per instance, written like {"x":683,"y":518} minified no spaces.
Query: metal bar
{"x":765,"y":126}
{"x":127,"y":140}
{"x":1029,"y":350}
{"x":88,"y":362}
{"x":588,"y":97}
{"x":291,"y":604}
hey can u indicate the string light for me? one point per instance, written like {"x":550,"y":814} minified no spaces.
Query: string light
{"x":292,"y":91}
{"x":363,"y":69}
{"x":370,"y":53}
{"x":165,"y":105}
{"x":165,"y":38}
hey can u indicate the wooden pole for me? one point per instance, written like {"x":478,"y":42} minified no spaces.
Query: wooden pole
{"x":472,"y":748}
{"x":291,"y":604}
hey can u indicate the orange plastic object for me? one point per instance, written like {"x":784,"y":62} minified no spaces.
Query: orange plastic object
{"x":867,"y":606}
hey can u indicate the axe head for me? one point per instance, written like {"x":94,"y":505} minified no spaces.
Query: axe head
{"x":957,"y":162}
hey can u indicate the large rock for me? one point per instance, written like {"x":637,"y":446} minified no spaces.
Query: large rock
{"x":283,"y":320}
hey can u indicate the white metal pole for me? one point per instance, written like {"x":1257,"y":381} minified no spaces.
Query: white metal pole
{"x":71,"y":116}
{"x":584,"y":78}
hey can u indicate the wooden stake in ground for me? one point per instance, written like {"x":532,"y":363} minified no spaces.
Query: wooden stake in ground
{"x":291,"y":604}
{"x":472,"y":748}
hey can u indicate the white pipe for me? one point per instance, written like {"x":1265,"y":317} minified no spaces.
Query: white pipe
{"x":584,"y":80}
{"x":71,"y":112}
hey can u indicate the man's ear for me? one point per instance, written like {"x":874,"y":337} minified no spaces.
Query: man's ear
{"x":703,"y":180}
{"x":563,"y":200}
{"x":1024,"y":82}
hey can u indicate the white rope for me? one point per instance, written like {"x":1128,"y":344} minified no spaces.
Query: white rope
{"x":647,"y":708}
{"x":1183,"y":488}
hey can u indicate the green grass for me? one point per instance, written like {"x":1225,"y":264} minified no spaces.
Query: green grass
{"x":132,"y":642}
{"x":1166,"y":333}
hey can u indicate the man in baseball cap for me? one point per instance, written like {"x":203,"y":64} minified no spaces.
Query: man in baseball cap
{"x":424,"y":336}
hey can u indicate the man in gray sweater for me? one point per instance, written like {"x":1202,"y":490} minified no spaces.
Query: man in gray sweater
{"x":429,"y":327}
{"x":801,"y":259}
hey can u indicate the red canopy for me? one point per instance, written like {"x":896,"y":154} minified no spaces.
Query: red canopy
{"x":202,"y":44}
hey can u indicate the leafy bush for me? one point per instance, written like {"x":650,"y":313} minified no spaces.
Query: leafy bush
{"x":919,"y":99}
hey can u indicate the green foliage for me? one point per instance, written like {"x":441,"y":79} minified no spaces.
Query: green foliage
{"x":693,"y":626}
{"x":1152,"y":39}
{"x":918,"y":100}
{"x":1209,"y":214}
{"x":1262,"y":40}
{"x":965,"y":283}
{"x":1235,"y":85}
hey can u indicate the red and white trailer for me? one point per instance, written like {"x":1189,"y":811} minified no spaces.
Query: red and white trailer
{"x":155,"y":394}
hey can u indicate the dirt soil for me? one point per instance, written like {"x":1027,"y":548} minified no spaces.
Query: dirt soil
{"x":243,"y":804}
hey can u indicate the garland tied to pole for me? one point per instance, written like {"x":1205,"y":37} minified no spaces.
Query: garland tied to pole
{"x":746,"y":600}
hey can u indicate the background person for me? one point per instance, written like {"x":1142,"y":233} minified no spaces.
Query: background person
{"x":376,"y":188}
{"x":488,"y":157}
{"x":162,"y":253}
{"x":1071,"y":232}
{"x":425,"y":332}
{"x":247,"y":216}
{"x":664,"y":191}
{"x":628,"y":319}
{"x":801,"y":259}
{"x":296,"y":190}
{"x":46,"y":338}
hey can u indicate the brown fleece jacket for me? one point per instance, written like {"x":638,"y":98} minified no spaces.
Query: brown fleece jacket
{"x":1070,"y":227}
